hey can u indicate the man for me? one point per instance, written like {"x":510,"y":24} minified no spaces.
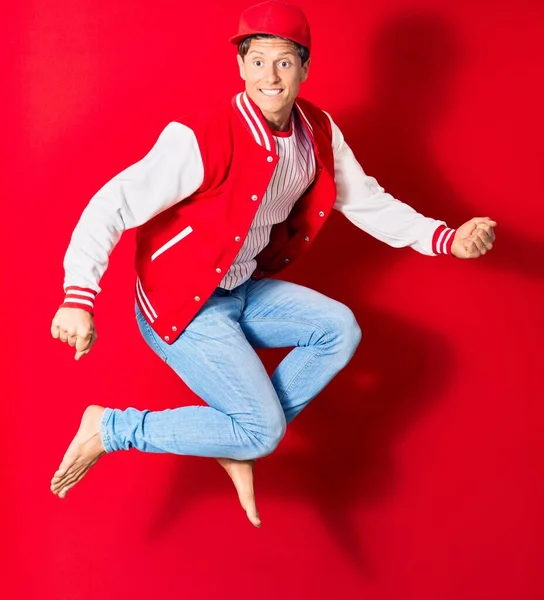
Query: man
{"x":221,"y":206}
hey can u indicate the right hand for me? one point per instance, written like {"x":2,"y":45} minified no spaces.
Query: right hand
{"x":76,"y":327}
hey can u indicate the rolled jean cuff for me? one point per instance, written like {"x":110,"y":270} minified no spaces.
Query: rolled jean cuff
{"x":103,"y":429}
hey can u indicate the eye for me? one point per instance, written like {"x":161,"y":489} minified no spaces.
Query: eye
{"x":258,"y":63}
{"x":285,"y":64}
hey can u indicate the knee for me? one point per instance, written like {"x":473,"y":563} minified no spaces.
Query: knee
{"x":270,"y":436}
{"x":356,"y":336}
{"x":347,"y":332}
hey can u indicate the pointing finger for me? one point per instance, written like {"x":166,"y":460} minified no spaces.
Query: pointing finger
{"x":83,"y":343}
{"x":80,"y":354}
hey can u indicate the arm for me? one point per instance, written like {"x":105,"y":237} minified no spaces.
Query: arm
{"x":171,"y":171}
{"x":366,"y":204}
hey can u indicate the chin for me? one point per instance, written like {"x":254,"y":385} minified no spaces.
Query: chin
{"x":274,"y":105}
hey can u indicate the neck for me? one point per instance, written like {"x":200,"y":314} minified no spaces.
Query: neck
{"x":278,"y":122}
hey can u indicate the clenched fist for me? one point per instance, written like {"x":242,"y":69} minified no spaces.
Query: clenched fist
{"x":475,"y":238}
{"x":76,"y":327}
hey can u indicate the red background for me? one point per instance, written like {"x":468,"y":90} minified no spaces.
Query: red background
{"x":417,"y":474}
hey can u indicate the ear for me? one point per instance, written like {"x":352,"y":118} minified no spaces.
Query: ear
{"x":242,"y":66}
{"x":305,"y":70}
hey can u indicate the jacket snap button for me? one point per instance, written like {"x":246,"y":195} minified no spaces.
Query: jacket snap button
{"x":166,"y":338}
{"x":197,"y":298}
{"x":174,"y":328}
{"x":269,"y":159}
{"x":286,"y":260}
{"x":254,"y":197}
{"x":218,"y":270}
{"x":237,"y":238}
{"x":306,"y":239}
{"x":321,"y":214}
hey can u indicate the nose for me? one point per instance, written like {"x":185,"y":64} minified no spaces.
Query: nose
{"x":271,"y":73}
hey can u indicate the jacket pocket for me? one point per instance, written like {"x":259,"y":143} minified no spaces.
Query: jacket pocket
{"x":171,"y":242}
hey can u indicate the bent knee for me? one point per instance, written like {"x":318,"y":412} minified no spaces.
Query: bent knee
{"x":356,"y":334}
{"x":347,"y":330}
{"x":270,"y":437}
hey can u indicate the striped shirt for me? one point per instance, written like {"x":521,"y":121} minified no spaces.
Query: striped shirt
{"x":294,"y":172}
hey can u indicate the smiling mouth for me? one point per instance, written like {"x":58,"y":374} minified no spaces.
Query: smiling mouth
{"x":271,"y":93}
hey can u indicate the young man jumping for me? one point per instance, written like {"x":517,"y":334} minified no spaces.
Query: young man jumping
{"x":222,"y":205}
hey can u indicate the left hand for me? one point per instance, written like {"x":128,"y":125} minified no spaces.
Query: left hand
{"x":474,"y":239}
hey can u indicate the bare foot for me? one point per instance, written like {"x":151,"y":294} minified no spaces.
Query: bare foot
{"x":84,"y":451}
{"x":241,"y":473}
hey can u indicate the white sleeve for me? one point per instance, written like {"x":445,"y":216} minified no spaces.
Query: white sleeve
{"x":171,"y":171}
{"x":366,"y":204}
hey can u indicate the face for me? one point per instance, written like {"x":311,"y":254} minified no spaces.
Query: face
{"x":273,"y":73}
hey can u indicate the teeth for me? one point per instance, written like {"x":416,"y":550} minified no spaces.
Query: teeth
{"x":271,"y":92}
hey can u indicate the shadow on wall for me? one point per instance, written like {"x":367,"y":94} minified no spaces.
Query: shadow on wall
{"x":350,"y":431}
{"x":413,"y":73}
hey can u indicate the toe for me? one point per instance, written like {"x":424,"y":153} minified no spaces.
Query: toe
{"x":254,"y":518}
{"x":241,"y":473}
{"x":247,"y":500}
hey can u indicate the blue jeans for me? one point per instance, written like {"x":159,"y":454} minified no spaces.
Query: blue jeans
{"x":215,"y":356}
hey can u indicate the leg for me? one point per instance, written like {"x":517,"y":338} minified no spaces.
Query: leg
{"x":323,"y":331}
{"x":244,"y":419}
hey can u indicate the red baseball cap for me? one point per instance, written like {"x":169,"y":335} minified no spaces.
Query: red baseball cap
{"x":274,"y":18}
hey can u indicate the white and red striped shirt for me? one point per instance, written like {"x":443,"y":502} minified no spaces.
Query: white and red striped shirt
{"x":294,"y":172}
